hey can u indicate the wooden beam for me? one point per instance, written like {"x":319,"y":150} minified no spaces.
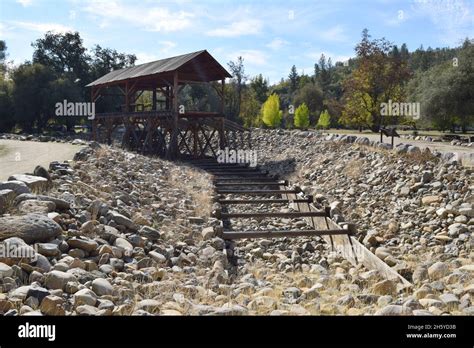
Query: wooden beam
{"x":173,"y":147}
{"x":349,"y":247}
{"x":154,"y":99}
{"x":127,"y":97}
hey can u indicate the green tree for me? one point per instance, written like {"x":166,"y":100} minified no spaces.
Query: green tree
{"x":32,"y":95}
{"x":324,"y":121}
{"x":271,"y":113}
{"x":63,"y":89}
{"x":105,"y":60}
{"x":3,"y":56}
{"x":445,"y":92}
{"x":7,"y":120}
{"x":323,"y":73}
{"x":303,"y":80}
{"x":260,"y":87}
{"x":6,"y":101}
{"x":294,"y":78}
{"x":63,"y":53}
{"x":461,"y":85}
{"x":302,"y":116}
{"x":312,"y":96}
{"x":237,"y":70}
{"x":250,"y":108}
{"x":377,"y":79}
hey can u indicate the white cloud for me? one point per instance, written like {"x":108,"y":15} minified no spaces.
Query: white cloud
{"x":167,"y":46}
{"x":454,"y":18}
{"x":239,"y":28}
{"x":164,"y":51}
{"x":335,"y":33}
{"x":72,"y":15}
{"x":41,"y":27}
{"x":151,"y":18}
{"x":400,"y":17}
{"x":25,"y":3}
{"x":277,"y":43}
{"x":252,"y":57}
{"x":143,"y":57}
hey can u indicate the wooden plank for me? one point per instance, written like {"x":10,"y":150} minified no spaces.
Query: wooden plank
{"x":290,"y":214}
{"x":255,"y":192}
{"x":350,"y":248}
{"x":250,"y":183}
{"x":249,"y":178}
{"x":281,"y":233}
{"x":260,"y":201}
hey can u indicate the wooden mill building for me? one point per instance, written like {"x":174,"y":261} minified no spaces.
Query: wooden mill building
{"x":165,"y":128}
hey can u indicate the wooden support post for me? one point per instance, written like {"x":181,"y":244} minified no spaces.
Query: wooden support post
{"x":222,"y":96}
{"x":195,"y":141}
{"x":167,"y":98}
{"x":93,"y":126}
{"x":127,"y":99}
{"x":173,"y":146}
{"x":250,"y":139}
{"x":154,"y":99}
{"x":94,"y":130}
{"x":221,"y":123}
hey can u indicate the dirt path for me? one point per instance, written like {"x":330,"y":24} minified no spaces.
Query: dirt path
{"x":17,"y":157}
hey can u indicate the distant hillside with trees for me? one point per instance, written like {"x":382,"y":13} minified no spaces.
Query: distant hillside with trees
{"x":336,"y":94}
{"x":350,"y":93}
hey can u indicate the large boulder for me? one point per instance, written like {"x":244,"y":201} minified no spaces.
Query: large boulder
{"x":34,"y":206}
{"x":122,"y":220}
{"x":31,"y":228}
{"x":394,"y":310}
{"x":83,"y":154}
{"x":102,"y":287}
{"x":83,"y":243}
{"x":438,"y":270}
{"x":58,"y":279}
{"x":15,"y":250}
{"x":6,"y":198}
{"x":61,"y":204}
{"x":18,"y":187}
{"x":33,"y":182}
{"x":42,"y":172}
{"x":467,"y":160}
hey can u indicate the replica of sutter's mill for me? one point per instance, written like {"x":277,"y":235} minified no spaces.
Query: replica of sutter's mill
{"x":164,"y":128}
{"x":197,"y":136}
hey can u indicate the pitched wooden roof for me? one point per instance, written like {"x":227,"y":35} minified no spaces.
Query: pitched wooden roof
{"x":197,"y":66}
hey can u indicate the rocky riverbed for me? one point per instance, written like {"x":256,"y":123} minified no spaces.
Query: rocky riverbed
{"x":116,"y":233}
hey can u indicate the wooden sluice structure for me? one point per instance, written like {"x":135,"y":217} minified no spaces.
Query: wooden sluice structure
{"x":166,"y":129}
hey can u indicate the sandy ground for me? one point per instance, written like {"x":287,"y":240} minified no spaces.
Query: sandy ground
{"x":18,"y":157}
{"x":441,"y":147}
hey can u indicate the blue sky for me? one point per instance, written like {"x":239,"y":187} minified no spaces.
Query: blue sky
{"x":270,"y":35}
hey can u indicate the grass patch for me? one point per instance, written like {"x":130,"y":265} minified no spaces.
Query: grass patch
{"x":354,"y":168}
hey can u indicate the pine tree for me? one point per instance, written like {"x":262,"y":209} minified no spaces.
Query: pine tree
{"x":294,"y":78}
